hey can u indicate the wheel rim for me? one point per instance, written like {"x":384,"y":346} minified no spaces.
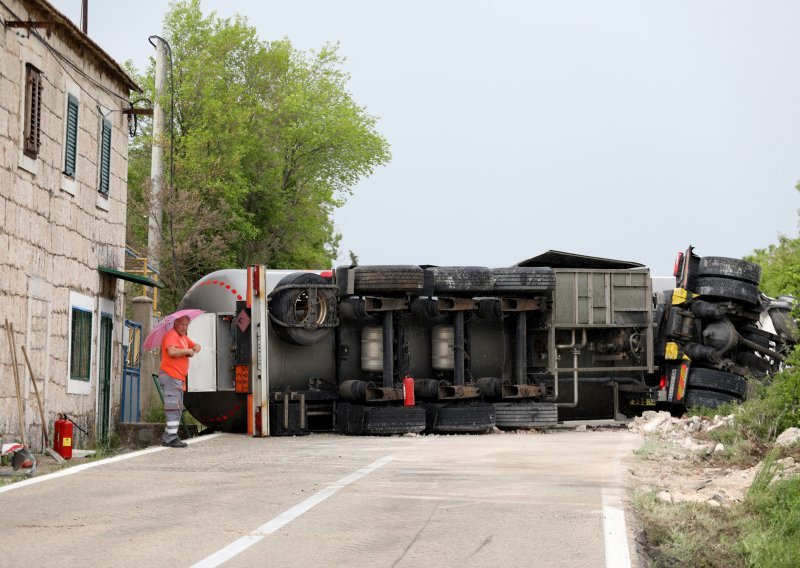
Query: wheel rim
{"x":302,"y":309}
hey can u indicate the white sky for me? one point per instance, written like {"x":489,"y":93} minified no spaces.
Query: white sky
{"x":622,"y":129}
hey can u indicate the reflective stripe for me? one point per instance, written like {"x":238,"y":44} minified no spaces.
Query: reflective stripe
{"x":172,"y":430}
{"x":173,"y":422}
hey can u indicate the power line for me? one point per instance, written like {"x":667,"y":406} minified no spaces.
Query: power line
{"x":60,"y":56}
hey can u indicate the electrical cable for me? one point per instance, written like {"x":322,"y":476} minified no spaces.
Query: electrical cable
{"x":60,"y":56}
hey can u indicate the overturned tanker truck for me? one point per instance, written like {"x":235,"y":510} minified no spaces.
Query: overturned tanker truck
{"x":399,"y":349}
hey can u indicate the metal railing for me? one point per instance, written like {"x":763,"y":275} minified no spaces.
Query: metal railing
{"x":137,"y":263}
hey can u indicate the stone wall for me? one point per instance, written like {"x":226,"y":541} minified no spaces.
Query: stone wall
{"x":56,"y":230}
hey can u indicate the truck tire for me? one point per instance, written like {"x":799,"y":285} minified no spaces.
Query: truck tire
{"x":519,"y":415}
{"x":461,"y":279}
{"x":524,"y":279}
{"x":714,"y":380}
{"x":388,"y":278}
{"x":720,"y":266}
{"x":728,"y":289}
{"x":708,"y":399}
{"x":291,"y":306}
{"x":387,"y":420}
{"x":464,"y":418}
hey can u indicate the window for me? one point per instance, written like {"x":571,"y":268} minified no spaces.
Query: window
{"x":105,"y":157}
{"x":33,"y":111}
{"x":71,"y":139}
{"x":81,"y":346}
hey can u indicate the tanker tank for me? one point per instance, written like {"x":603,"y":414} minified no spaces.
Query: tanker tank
{"x":295,"y":363}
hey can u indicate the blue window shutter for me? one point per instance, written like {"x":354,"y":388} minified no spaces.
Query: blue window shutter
{"x":71,"y":142}
{"x":105,"y":157}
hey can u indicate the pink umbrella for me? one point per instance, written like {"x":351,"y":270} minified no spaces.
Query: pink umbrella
{"x":154,"y":338}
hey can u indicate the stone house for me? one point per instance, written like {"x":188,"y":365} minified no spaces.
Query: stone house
{"x":63,"y":195}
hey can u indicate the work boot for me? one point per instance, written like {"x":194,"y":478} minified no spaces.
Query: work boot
{"x":176,"y":443}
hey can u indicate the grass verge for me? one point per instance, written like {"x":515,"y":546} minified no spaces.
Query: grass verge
{"x":761,"y":530}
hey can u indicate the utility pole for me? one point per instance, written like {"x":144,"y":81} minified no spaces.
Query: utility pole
{"x":157,"y":159}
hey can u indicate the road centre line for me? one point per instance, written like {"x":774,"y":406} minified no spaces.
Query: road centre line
{"x":245,"y":542}
{"x":615,"y":531}
{"x":84,"y":466}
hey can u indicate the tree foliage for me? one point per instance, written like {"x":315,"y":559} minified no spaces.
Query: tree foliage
{"x":780,"y":266}
{"x":268,"y":142}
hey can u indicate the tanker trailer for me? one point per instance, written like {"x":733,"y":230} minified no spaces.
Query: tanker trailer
{"x":269,"y":350}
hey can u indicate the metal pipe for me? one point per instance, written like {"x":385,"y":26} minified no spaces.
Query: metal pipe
{"x":520,"y":349}
{"x":458,"y":348}
{"x":302,"y":411}
{"x":85,"y":16}
{"x":575,"y":347}
{"x":761,"y":349}
{"x":388,"y":349}
{"x":575,"y":352}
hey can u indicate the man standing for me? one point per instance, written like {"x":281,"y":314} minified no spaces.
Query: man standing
{"x":176,"y":348}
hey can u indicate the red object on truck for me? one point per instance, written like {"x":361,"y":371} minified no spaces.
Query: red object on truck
{"x":408,"y":391}
{"x":62,"y":441}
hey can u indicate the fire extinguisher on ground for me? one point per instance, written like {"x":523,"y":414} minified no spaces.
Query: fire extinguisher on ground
{"x":62,"y":440}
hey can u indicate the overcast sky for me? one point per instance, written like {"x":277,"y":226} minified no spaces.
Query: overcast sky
{"x":622,"y":129}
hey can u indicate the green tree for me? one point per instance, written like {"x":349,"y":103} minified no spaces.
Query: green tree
{"x":268,"y":142}
{"x":780,"y":265}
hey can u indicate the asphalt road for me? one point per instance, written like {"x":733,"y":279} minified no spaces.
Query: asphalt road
{"x":323,"y":500}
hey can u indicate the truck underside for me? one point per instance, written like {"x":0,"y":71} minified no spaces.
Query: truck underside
{"x":396,"y":349}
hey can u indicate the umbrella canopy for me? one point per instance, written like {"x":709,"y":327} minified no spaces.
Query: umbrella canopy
{"x":154,"y":338}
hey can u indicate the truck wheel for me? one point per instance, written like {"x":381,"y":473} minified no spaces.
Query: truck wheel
{"x":464,"y":418}
{"x":386,"y":420}
{"x":405,"y":279}
{"x":730,"y":268}
{"x":708,"y":399}
{"x":714,"y":380}
{"x":458,"y":279}
{"x":292,"y":306}
{"x":515,"y":415}
{"x":524,"y":279}
{"x":728,"y":289}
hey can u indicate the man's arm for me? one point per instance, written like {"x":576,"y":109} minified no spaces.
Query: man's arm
{"x":174,"y":351}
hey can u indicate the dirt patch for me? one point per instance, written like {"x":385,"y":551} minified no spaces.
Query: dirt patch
{"x":681,"y":463}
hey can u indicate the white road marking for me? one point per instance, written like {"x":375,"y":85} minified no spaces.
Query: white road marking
{"x":287,"y":516}
{"x":84,"y":466}
{"x":615,"y":530}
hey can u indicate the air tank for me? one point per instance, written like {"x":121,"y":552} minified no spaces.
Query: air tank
{"x":372,"y":348}
{"x":442,"y":337}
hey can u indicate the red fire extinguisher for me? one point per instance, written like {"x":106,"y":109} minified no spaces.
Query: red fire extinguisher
{"x":408,"y":391}
{"x":62,"y":440}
